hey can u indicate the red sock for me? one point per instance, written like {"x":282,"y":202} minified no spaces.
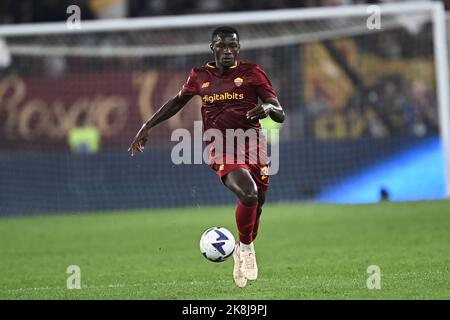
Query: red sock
{"x":255,"y":229}
{"x":256,"y":224}
{"x":245,"y":220}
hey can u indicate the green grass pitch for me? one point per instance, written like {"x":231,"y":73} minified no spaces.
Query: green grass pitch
{"x":304,"y":251}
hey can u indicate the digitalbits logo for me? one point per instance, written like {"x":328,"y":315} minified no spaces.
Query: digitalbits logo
{"x":235,"y":146}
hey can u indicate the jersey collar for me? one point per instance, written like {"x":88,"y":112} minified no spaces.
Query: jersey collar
{"x":212,"y":64}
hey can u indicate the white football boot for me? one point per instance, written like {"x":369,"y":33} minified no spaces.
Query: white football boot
{"x":248,"y":262}
{"x":238,"y":277}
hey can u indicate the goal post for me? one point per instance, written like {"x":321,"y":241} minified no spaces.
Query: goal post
{"x":367,"y":108}
{"x":442,"y":80}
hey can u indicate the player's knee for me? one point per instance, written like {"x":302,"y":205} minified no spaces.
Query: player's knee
{"x":249,"y":198}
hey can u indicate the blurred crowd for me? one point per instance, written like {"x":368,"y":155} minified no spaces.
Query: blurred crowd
{"x":26,"y":11}
{"x":391,"y":107}
{"x":394,"y":105}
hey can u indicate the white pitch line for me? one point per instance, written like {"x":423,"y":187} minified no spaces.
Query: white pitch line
{"x":117,"y":285}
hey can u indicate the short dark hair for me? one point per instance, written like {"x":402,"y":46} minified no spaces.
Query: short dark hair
{"x":224,"y":30}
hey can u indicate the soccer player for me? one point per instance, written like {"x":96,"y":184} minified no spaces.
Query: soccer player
{"x":230,"y":89}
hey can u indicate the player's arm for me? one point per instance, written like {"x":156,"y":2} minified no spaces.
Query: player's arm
{"x":168,"y":110}
{"x":270,"y":107}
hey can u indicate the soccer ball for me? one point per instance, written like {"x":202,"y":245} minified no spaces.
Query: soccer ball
{"x":217,"y":244}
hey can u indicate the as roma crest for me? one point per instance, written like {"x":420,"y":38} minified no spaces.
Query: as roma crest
{"x":238,"y":81}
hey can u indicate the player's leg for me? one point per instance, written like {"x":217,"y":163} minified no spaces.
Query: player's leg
{"x":241,"y":183}
{"x":261,"y":200}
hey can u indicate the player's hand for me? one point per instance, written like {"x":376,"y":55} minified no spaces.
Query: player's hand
{"x":138,"y":143}
{"x":260,"y":112}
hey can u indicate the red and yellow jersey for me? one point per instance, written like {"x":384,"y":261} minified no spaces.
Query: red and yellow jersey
{"x":226,"y":98}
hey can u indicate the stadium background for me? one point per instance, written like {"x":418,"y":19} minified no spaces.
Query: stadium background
{"x":358,"y":109}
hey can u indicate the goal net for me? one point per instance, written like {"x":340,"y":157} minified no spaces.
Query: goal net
{"x":365,"y":98}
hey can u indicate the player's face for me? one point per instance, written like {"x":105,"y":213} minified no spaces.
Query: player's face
{"x":226,"y":49}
